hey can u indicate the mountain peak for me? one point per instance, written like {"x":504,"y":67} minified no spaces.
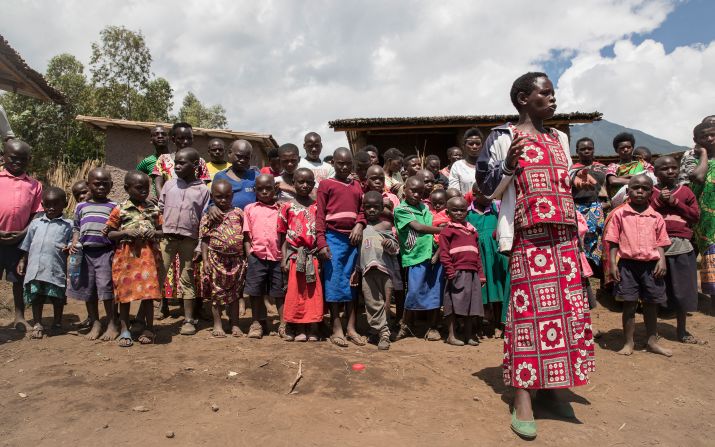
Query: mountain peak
{"x":603,"y":131}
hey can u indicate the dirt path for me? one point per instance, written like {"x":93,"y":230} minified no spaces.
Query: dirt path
{"x":419,"y":393}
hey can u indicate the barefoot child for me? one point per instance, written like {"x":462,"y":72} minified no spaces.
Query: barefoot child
{"x":181,"y":202}
{"x":224,"y":258}
{"x":95,"y":280}
{"x":289,"y":158}
{"x":376,"y":265}
{"x":303,"y":306}
{"x":424,"y":274}
{"x":679,"y":208}
{"x":263,"y":247}
{"x":44,"y":261}
{"x":637,"y":234}
{"x":20,"y":200}
{"x":135,"y":228}
{"x":339,"y":224}
{"x":459,"y":255}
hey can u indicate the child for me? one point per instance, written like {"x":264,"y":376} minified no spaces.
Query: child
{"x":95,"y":280}
{"x":412,"y":163}
{"x":44,"y":261}
{"x":377,"y":262}
{"x":432,"y":164}
{"x":223,"y":257}
{"x":483,"y":216}
{"x":290,"y":158}
{"x":20,"y":200}
{"x":459,"y":255}
{"x":135,"y":227}
{"x":376,"y":182}
{"x":424,"y":274}
{"x":637,"y":234}
{"x":618,"y":174}
{"x":452,"y":193}
{"x":181,"y":203}
{"x":393,"y":166}
{"x":438,"y":207}
{"x":362,"y":163}
{"x":217,"y":157}
{"x":339,"y":224}
{"x":461,"y":176}
{"x":703,"y":185}
{"x":643,"y":153}
{"x":303,"y":306}
{"x":428,"y":179}
{"x":313,"y":145}
{"x":454,"y":153}
{"x":262,"y":244}
{"x":274,"y":163}
{"x":80,"y":191}
{"x":679,"y":208}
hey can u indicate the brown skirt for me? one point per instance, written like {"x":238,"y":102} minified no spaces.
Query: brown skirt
{"x":463,"y":295}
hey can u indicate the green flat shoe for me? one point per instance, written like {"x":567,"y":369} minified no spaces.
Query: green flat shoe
{"x":525,"y":429}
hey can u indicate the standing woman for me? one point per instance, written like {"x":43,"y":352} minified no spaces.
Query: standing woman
{"x":548,"y":342}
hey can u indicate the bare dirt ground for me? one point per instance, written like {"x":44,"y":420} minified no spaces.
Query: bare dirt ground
{"x":65,"y":390}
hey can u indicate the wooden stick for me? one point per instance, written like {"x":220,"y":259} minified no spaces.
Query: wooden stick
{"x":297,"y":377}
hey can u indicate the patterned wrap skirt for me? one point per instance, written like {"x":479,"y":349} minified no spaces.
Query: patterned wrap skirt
{"x":548,"y":341}
{"x":222,"y":277}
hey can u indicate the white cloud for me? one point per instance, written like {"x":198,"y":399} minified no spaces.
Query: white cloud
{"x":642,"y":87}
{"x":287,"y":67}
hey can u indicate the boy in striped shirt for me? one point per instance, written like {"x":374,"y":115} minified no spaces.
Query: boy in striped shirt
{"x":94,"y":282}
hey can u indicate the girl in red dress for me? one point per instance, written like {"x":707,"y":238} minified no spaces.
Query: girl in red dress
{"x":548,"y":342}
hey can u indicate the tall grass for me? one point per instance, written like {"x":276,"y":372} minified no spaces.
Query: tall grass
{"x":64,"y":176}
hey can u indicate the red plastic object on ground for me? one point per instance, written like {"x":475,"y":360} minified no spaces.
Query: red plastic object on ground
{"x":358,"y":367}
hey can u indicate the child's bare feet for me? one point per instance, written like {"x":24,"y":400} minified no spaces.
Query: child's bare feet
{"x":236,"y":331}
{"x":473,"y":342}
{"x":94,"y":331}
{"x":218,"y":331}
{"x":111,"y":333}
{"x":627,"y":349}
{"x":454,"y":341}
{"x":22,"y":325}
{"x":655,"y":348}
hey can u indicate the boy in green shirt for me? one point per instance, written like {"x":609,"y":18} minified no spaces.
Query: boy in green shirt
{"x":425,"y":281}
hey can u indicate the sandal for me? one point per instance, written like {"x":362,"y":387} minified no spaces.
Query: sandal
{"x":38,"y":331}
{"x":125,"y":339}
{"x":338,"y":341}
{"x":187,"y":329}
{"x":147,"y":337}
{"x":689,"y":339}
{"x":357,"y":340}
{"x":312,"y":338}
{"x":256,"y":330}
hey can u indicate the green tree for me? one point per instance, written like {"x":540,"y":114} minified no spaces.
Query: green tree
{"x":51,"y":129}
{"x":121,"y":71}
{"x":198,"y":115}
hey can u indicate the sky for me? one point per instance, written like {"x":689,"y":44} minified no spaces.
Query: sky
{"x":288,"y":67}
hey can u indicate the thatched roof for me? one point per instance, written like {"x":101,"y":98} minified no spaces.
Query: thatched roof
{"x":266,"y":140}
{"x":17,"y":77}
{"x":451,"y":121}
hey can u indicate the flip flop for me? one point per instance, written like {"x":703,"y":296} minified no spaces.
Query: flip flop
{"x":125,"y":339}
{"x":357,"y":341}
{"x":338,"y":341}
{"x":147,"y":335}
